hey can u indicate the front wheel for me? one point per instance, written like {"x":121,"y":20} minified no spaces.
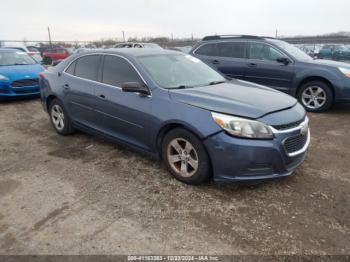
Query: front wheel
{"x":316,"y":96}
{"x":186,"y":157}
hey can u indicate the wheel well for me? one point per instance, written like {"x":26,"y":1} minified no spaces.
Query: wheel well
{"x":49,"y":100}
{"x":315,"y":78}
{"x":161,"y":134}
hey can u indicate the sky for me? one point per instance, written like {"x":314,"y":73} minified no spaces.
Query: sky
{"x":93,"y":20}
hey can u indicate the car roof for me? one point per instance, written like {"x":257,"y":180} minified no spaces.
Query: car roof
{"x":4,"y":49}
{"x":131,"y":52}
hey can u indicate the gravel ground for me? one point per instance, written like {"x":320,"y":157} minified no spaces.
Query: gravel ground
{"x":83,"y":195}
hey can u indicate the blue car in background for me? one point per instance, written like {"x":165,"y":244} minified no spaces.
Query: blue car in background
{"x":173,"y":106}
{"x":19,"y":74}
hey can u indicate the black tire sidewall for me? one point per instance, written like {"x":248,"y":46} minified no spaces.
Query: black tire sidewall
{"x":203,"y":174}
{"x":327,"y":90}
{"x":68,"y":129}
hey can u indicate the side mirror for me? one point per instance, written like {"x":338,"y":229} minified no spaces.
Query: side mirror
{"x":135,"y":87}
{"x":283,"y":60}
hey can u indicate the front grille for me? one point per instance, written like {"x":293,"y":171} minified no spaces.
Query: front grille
{"x":289,"y":125}
{"x":25,"y":83}
{"x":295,"y":143}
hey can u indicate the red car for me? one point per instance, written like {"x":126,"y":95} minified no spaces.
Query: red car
{"x":55,"y":55}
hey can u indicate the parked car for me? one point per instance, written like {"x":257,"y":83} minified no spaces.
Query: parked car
{"x":56,"y":55}
{"x":137,"y":45}
{"x":184,"y":49}
{"x":173,"y":106}
{"x":19,"y":74}
{"x":30,"y":50}
{"x":335,"y":52}
{"x":317,"y":84}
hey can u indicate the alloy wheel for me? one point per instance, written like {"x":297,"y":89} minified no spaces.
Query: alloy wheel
{"x":182,"y":157}
{"x":314,"y":97}
{"x":57,"y":116}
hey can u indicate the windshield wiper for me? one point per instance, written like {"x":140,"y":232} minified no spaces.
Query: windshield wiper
{"x":181,"y":87}
{"x":216,"y":82}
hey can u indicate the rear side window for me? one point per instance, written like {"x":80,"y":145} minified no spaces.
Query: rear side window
{"x":231,"y":49}
{"x":207,"y":49}
{"x":261,"y":51}
{"x":87,"y":67}
{"x":117,"y":70}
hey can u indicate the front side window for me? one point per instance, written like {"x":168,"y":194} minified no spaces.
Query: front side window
{"x":261,"y":51}
{"x":231,"y":49}
{"x":207,"y":49}
{"x":117,"y":70}
{"x":87,"y":67}
{"x":179,"y":71}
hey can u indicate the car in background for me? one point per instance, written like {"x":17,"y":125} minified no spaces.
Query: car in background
{"x":137,"y":45}
{"x":317,"y":84}
{"x":174,"y":107}
{"x":30,"y":50}
{"x":19,"y":74}
{"x":335,"y":52}
{"x":184,"y":49}
{"x":55,"y":55}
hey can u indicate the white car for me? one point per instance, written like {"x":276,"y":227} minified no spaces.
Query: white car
{"x":137,"y":45}
{"x":30,"y":50}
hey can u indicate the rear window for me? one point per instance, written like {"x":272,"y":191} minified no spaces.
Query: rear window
{"x":231,"y":49}
{"x":32,"y":49}
{"x":87,"y":67}
{"x":206,"y":49}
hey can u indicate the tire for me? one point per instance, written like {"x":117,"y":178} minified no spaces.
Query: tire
{"x":59,"y":118}
{"x":182,"y":148}
{"x":316,"y":96}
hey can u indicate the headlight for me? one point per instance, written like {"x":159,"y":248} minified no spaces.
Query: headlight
{"x":345,"y":71}
{"x":3,"y":77}
{"x":242,"y":127}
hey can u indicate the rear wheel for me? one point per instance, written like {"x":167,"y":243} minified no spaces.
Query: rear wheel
{"x":186,"y":157}
{"x":59,"y":118}
{"x":316,"y":96}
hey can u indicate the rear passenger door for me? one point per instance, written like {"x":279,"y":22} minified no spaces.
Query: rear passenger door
{"x":122,"y":115}
{"x":263,"y":68}
{"x":78,"y":84}
{"x":226,"y":57}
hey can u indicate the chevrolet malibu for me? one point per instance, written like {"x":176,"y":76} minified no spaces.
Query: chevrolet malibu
{"x":174,"y":107}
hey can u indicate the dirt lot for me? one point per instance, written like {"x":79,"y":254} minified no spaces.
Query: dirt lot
{"x":83,"y":195}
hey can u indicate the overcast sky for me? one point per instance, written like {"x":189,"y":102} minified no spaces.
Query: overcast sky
{"x":92,"y":20}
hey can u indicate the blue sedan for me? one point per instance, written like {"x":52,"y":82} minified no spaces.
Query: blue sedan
{"x":173,"y":106}
{"x":19,"y":74}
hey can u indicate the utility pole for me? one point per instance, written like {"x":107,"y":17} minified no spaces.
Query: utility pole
{"x":124,"y":36}
{"x":276,"y":33}
{"x":48,"y":30}
{"x":192,"y":37}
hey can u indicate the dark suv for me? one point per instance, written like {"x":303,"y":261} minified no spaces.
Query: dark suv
{"x":317,"y":84}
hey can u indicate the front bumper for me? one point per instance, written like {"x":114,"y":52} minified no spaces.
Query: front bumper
{"x":236,"y":159}
{"x":6,"y":91}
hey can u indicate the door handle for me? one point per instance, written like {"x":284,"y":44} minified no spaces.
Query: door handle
{"x":252,"y":65}
{"x":215,"y":62}
{"x":102,"y":96}
{"x":66,"y":86}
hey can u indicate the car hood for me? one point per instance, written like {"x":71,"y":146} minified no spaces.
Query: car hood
{"x":236,"y":97}
{"x":21,"y":71}
{"x":330,"y":63}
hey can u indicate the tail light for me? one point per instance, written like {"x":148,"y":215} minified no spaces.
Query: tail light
{"x":42,"y":76}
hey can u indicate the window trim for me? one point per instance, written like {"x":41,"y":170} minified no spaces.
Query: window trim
{"x":101,"y":68}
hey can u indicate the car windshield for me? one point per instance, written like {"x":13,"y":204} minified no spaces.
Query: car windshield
{"x":15,"y":58}
{"x":292,"y":50}
{"x":179,"y":71}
